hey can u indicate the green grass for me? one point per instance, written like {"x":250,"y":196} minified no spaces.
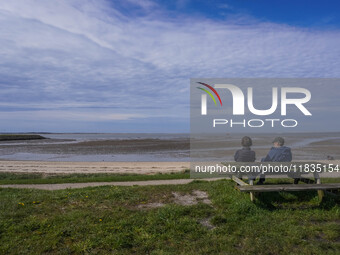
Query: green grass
{"x":10,"y":137}
{"x":107,"y":220}
{"x":36,"y":178}
{"x":12,"y":178}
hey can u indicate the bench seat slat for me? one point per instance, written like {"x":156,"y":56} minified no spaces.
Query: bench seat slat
{"x":288,"y":187}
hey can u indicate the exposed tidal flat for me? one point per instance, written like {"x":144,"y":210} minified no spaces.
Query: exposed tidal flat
{"x":160,"y":147}
{"x":99,"y":148}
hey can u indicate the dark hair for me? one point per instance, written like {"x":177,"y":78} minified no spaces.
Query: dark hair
{"x":246,"y":141}
{"x":279,"y":140}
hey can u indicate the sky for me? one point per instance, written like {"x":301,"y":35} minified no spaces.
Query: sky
{"x":125,"y":65}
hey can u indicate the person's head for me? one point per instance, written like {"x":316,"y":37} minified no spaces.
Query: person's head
{"x":246,"y":141}
{"x":278,"y":141}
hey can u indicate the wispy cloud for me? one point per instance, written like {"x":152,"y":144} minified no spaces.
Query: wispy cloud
{"x":225,"y":6}
{"x":77,"y":115}
{"x":144,"y":4}
{"x":71,"y":53}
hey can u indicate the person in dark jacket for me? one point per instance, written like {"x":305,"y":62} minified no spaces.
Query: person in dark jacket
{"x":245,"y":154}
{"x":278,"y":153}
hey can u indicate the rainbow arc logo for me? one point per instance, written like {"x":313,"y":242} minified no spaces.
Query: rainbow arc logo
{"x":209,"y":93}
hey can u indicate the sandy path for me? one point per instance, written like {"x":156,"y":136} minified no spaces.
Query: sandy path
{"x":96,"y":184}
{"x":91,"y":167}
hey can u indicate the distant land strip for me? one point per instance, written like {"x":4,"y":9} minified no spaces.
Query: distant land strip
{"x":11,"y":137}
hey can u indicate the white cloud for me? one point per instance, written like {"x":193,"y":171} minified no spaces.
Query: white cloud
{"x":54,"y":115}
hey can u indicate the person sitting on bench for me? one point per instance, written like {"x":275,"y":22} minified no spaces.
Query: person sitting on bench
{"x":246,"y":154}
{"x":278,"y":153}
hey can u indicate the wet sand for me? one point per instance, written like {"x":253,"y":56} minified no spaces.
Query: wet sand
{"x":100,"y":150}
{"x":304,"y":147}
{"x":147,"y":155}
{"x":96,"y":147}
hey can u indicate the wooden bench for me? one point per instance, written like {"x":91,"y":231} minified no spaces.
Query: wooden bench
{"x":245,"y":187}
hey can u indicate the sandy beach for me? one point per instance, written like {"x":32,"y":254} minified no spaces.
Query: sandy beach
{"x":91,"y":167}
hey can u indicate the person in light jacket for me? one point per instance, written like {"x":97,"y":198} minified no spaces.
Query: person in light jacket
{"x":278,"y":153}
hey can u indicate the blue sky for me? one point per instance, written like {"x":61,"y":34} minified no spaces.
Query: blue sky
{"x":124,"y":66}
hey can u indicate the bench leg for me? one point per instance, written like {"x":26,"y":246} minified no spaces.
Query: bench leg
{"x":252,"y":195}
{"x":320,"y":192}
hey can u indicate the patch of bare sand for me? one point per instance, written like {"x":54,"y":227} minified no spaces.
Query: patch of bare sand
{"x":181,"y":199}
{"x":191,"y":199}
{"x":187,"y":200}
{"x":150,"y":205}
{"x":206,"y":223}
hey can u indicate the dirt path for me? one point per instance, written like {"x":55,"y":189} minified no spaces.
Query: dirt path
{"x":96,"y":184}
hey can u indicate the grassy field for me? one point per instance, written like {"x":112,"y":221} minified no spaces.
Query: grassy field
{"x":148,"y":220}
{"x":13,"y":178}
{"x":37,"y":178}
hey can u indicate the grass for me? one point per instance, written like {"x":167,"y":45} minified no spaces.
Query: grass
{"x":10,"y":137}
{"x":107,"y":220}
{"x":37,"y":178}
{"x":13,"y":178}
